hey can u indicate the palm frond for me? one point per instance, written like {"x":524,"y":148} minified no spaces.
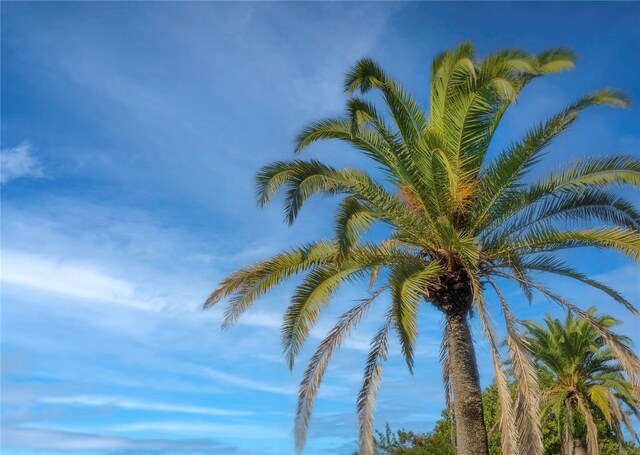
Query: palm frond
{"x":510,"y":166}
{"x":408,"y":282}
{"x":548,"y":239}
{"x":592,"y":429}
{"x":553,"y":264}
{"x":585,"y":174}
{"x":248,"y":284}
{"x":371,"y":381}
{"x":407,"y":114}
{"x":528,"y":393}
{"x":316,"y":290}
{"x":310,"y":384}
{"x":508,"y":431}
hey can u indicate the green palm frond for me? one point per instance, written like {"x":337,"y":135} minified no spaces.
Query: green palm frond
{"x":548,"y":239}
{"x":512,"y":165}
{"x":248,"y":284}
{"x":352,"y":220}
{"x":319,"y":286}
{"x":587,"y":174}
{"x":553,"y":264}
{"x":555,"y":60}
{"x":408,"y":116}
{"x":408,"y":282}
{"x":366,"y":140}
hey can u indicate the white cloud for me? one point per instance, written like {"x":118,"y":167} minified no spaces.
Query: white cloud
{"x":68,"y":441}
{"x":261,"y":319}
{"x":123,"y":403}
{"x":56,"y":440}
{"x":17,"y":162}
{"x":57,"y":276}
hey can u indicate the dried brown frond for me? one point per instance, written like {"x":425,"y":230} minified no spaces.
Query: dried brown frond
{"x":370,"y":384}
{"x":628,"y":360}
{"x":410,"y":199}
{"x":592,"y":429}
{"x":446,"y":381}
{"x":463,"y":197}
{"x":508,"y":433}
{"x":310,"y":384}
{"x":528,"y":392}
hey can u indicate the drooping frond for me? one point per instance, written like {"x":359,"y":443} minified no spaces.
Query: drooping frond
{"x":319,"y":286}
{"x":310,"y":384}
{"x":554,"y":265}
{"x":367,"y":395}
{"x":352,"y":220}
{"x":508,"y":431}
{"x":592,"y":429}
{"x":408,"y":282}
{"x":303,"y":179}
{"x":528,"y":393}
{"x":248,"y":284}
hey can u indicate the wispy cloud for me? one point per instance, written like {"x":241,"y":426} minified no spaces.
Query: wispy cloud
{"x":242,"y":382}
{"x":124,"y":403}
{"x":70,"y":441}
{"x":19,"y":162}
{"x":52,"y":275}
{"x":244,"y":431}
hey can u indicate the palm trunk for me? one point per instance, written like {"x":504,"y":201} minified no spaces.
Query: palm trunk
{"x":471,"y":434}
{"x":580,"y":446}
{"x":568,"y":429}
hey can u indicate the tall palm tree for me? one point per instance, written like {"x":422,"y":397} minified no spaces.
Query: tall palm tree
{"x":456,"y":220}
{"x":585,"y":376}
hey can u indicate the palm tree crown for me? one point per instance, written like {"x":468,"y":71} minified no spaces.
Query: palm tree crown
{"x":585,"y":376}
{"x":456,"y":220}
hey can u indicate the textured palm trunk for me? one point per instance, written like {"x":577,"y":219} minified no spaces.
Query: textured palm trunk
{"x":568,"y":429}
{"x":471,"y":434}
{"x":580,"y":447}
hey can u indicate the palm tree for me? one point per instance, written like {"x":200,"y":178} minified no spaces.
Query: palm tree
{"x":456,"y":222}
{"x":585,"y":376}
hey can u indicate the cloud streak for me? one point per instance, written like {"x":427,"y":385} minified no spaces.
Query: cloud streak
{"x":61,"y":277}
{"x":124,"y":403}
{"x":69,"y":441}
{"x":18,"y":162}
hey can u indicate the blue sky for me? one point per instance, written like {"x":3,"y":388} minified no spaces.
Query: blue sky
{"x":131,"y":133}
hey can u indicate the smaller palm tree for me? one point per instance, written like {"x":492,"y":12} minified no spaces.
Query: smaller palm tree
{"x":587,"y":381}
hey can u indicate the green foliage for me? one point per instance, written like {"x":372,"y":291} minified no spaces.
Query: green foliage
{"x":438,"y":441}
{"x":572,"y":359}
{"x":587,"y":392}
{"x":403,"y":442}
